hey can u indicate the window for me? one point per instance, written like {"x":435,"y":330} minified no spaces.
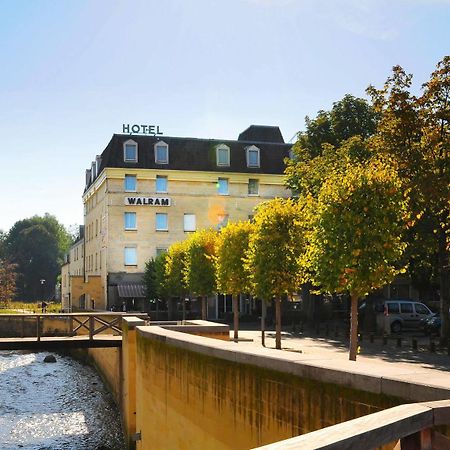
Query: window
{"x":130,"y":255}
{"x":189,"y":222}
{"x":252,"y":156}
{"x":130,"y":220}
{"x":223,"y":155}
{"x":222,"y":186}
{"x":406,"y":308}
{"x":421,"y":309}
{"x":161,"y":153}
{"x":130,"y":153}
{"x":161,"y":184}
{"x":160,"y":251}
{"x":130,"y":183}
{"x":161,"y":222}
{"x":222,"y":220}
{"x":253,"y":187}
{"x":393,"y":308}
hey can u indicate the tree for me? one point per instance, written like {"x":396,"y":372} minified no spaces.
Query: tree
{"x":232,"y":274}
{"x":37,"y":246}
{"x":7,"y":282}
{"x":415,"y":130}
{"x":155,"y":278}
{"x":174,"y":267}
{"x":199,"y":272}
{"x":355,"y":234}
{"x":273,"y":257}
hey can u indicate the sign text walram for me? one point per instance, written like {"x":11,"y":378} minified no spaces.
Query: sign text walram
{"x":148,"y":201}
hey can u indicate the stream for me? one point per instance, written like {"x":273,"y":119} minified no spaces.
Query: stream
{"x":55,"y":406}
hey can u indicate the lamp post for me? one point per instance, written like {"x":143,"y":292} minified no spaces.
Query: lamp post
{"x":42,"y":281}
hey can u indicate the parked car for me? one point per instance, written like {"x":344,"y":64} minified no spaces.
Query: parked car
{"x":432,"y":325}
{"x":404,"y":314}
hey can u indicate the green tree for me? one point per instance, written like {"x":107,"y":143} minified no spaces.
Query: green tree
{"x":199,"y":273}
{"x":415,"y":130}
{"x":232,"y":274}
{"x":8,"y":277}
{"x":355,"y":234}
{"x":37,"y":246}
{"x":174,"y":268}
{"x":273,"y":257}
{"x":155,"y":278}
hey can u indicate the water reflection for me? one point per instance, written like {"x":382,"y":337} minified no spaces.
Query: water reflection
{"x":63,"y":405}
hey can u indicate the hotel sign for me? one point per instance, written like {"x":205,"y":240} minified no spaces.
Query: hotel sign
{"x":148,"y":201}
{"x":140,"y":129}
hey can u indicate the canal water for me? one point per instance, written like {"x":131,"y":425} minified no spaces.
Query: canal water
{"x":55,"y":406}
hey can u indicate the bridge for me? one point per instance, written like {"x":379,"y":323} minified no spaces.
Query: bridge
{"x":62,"y":331}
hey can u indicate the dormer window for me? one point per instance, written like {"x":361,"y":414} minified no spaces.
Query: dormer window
{"x":252,"y":156}
{"x":130,"y":151}
{"x":161,"y":153}
{"x":223,"y":155}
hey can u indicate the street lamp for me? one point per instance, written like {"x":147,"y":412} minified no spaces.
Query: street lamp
{"x":42,"y":281}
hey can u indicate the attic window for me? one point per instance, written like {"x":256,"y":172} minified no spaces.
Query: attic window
{"x":252,"y":154}
{"x":161,"y":153}
{"x":130,"y":151}
{"x":223,"y":155}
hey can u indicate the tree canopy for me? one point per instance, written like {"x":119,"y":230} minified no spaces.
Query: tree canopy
{"x":355,"y":238}
{"x":37,"y":246}
{"x":273,"y":257}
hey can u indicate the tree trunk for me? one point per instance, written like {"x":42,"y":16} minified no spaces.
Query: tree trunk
{"x":444,"y":287}
{"x":263,"y":322}
{"x":235,"y":316}
{"x":183,"y":308}
{"x":278,"y":323}
{"x":353,"y":327}
{"x":204,"y":298}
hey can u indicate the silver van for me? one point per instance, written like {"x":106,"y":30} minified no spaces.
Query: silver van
{"x":404,"y":314}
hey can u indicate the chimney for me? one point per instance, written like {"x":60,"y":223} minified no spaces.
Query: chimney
{"x":88,"y":177}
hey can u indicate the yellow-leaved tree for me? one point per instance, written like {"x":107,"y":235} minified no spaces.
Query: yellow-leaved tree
{"x":232,"y":274}
{"x":200,"y":271}
{"x":273,"y":258}
{"x":355,"y":234}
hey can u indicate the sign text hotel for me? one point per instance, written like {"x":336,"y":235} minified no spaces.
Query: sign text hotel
{"x":148,"y":201}
{"x":140,"y":129}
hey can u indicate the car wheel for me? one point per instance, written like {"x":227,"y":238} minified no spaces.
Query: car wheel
{"x":396,"y":327}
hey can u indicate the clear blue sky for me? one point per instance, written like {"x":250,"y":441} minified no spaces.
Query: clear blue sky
{"x":73,"y":71}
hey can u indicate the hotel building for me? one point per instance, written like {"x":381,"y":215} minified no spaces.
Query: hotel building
{"x":145,"y":192}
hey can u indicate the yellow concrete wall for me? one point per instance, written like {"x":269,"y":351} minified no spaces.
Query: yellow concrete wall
{"x":108,"y":362}
{"x":187,"y":401}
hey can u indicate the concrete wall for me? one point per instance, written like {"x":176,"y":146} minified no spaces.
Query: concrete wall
{"x":197,"y":399}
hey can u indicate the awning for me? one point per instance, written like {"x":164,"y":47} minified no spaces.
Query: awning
{"x":131,"y":290}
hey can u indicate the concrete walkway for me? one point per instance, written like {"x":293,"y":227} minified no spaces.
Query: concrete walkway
{"x":411,"y":375}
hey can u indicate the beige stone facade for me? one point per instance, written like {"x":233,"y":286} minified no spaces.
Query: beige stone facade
{"x":120,"y":237}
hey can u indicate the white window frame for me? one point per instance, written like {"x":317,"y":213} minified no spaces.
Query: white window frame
{"x":218,"y":149}
{"x":125,"y":221}
{"x":187,"y":228}
{"x":167,"y":222}
{"x":252,"y":148}
{"x":125,"y":183}
{"x":161,"y":144}
{"x":228,"y":186}
{"x":130,"y":142}
{"x":156,"y":184}
{"x":248,"y":189}
{"x":125,"y":255}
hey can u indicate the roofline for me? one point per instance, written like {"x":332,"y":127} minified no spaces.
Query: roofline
{"x":162,"y":137}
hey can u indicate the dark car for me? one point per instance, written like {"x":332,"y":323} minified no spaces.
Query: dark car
{"x":432,"y":325}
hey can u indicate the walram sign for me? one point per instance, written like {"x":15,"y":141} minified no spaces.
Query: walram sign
{"x":148,"y":201}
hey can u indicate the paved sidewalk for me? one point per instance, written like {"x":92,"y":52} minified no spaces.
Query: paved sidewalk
{"x":401,"y":365}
